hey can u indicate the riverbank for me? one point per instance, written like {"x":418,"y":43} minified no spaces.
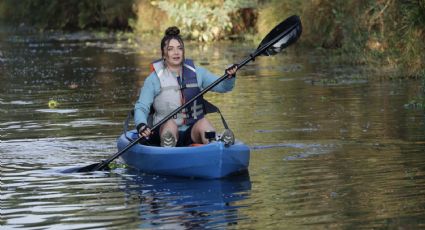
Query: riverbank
{"x":388,"y":35}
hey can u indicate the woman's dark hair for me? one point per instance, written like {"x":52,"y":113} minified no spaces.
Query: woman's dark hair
{"x":171,"y":33}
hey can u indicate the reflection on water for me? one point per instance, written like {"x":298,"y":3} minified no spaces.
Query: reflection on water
{"x":173,"y":203}
{"x":332,"y":147}
{"x":47,"y":198}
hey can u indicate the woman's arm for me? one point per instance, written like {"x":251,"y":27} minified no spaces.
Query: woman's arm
{"x":205,"y":78}
{"x":147,"y":94}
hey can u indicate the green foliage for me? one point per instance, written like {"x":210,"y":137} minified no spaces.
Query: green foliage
{"x":326,"y":23}
{"x":384,"y":33}
{"x":417,"y":103}
{"x":205,"y":21}
{"x":409,"y":39}
{"x":69,"y":15}
{"x":413,"y":13}
{"x":274,"y":11}
{"x":114,"y":165}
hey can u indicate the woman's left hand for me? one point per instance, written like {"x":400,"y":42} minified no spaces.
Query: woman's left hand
{"x":232,"y":70}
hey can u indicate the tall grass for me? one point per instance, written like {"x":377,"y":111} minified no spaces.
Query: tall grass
{"x":387,"y":33}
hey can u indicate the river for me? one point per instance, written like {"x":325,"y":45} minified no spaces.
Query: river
{"x":332,"y":146}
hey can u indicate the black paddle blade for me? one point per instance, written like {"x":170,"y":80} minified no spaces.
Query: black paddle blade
{"x":283,"y":35}
{"x":88,"y":168}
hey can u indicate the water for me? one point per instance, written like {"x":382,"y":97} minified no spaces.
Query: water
{"x":332,"y":146}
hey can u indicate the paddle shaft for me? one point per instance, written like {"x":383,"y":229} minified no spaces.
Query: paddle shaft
{"x":251,"y":57}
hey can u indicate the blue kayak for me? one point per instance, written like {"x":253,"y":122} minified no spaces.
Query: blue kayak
{"x":214,"y":160}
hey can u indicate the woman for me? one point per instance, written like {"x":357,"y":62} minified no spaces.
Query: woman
{"x":173,"y":81}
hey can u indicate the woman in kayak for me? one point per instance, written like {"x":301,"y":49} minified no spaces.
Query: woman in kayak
{"x":173,"y":81}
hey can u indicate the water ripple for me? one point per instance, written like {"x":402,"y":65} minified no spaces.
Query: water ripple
{"x":33,"y":198}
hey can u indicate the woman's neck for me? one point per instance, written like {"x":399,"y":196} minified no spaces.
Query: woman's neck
{"x":175,"y":69}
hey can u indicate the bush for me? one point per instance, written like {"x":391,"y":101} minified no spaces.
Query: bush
{"x":204,"y":21}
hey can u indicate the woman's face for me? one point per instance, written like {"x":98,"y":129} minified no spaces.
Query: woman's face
{"x":174,"y":53}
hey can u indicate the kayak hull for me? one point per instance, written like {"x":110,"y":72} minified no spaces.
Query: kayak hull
{"x":214,"y":160}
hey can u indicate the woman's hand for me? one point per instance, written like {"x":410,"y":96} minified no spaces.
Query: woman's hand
{"x":232,"y":70}
{"x":145,"y":131}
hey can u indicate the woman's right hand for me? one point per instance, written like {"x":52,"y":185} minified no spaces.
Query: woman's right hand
{"x":145,"y":131}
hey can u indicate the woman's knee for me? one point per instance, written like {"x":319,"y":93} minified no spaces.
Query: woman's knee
{"x":169,"y":125}
{"x":204,"y":125}
{"x":199,"y":129}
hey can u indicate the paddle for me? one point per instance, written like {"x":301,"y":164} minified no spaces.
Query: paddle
{"x":283,"y":35}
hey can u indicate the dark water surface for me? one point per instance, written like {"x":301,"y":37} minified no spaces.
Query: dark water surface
{"x":332,"y":146}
